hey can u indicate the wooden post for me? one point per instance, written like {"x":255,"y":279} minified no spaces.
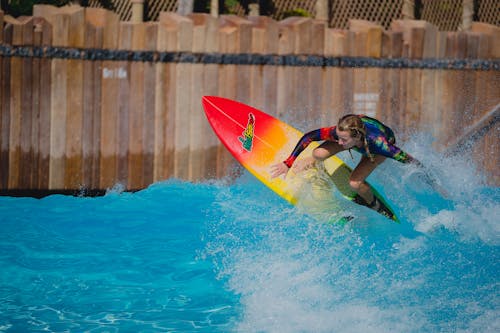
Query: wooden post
{"x":164,"y":124}
{"x":235,"y":36}
{"x":102,"y":32}
{"x":214,"y":8}
{"x":20,"y":108}
{"x":367,"y":42}
{"x":150,"y":43}
{"x":185,"y":7}
{"x":4,"y":109}
{"x":336,"y":84}
{"x":467,"y":15}
{"x":265,"y":40}
{"x":112,"y":72}
{"x":284,"y":94}
{"x":179,"y":30}
{"x":75,"y":15}
{"x":204,"y":143}
{"x":408,"y":9}
{"x":321,"y":7}
{"x":296,"y":80}
{"x":391,"y":80}
{"x":41,"y":107}
{"x":137,"y":11}
{"x":253,"y":9}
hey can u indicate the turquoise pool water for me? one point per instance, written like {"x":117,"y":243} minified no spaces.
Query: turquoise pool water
{"x":232,"y":257}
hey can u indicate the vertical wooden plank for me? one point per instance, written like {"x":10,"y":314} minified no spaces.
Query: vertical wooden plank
{"x":35,"y":126}
{"x":6,"y":90}
{"x":438,"y":94}
{"x":450,"y":87}
{"x":237,"y":38}
{"x":206,"y":140}
{"x":198,"y":121}
{"x":59,"y":79}
{"x":112,"y":73}
{"x":162,"y":145}
{"x":429,"y":117}
{"x":358,"y":101}
{"x":265,"y":40}
{"x":27,"y":115}
{"x":151,"y":36}
{"x":129,"y":111}
{"x":492,"y":33}
{"x":88,"y":107}
{"x":183,"y":106}
{"x":301,"y":96}
{"x":413,"y":107}
{"x":367,"y":81}
{"x":3,"y":157}
{"x":74,"y":99}
{"x":336,"y":85}
{"x":96,"y":101}
{"x":228,"y":43}
{"x":285,"y":96}
{"x":56,"y":85}
{"x":395,"y":78}
{"x":179,"y":31}
{"x":103,"y":90}
{"x":385,"y":84}
{"x":316,"y":74}
{"x":256,"y":72}
{"x":45,"y":107}
{"x":16,"y":108}
{"x":487,"y":96}
{"x":243,"y":46}
{"x":128,"y":105}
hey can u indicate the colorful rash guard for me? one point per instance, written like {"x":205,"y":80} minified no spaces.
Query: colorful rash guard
{"x":380,"y":138}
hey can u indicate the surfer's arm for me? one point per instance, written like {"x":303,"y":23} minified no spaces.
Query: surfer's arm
{"x":381,"y":146}
{"x":325,"y":133}
{"x":398,"y":154}
{"x":319,"y":134}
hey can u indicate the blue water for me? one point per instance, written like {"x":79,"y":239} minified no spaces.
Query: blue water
{"x":230,"y":256}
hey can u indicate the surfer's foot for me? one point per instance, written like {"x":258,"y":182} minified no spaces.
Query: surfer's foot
{"x":378,"y":206}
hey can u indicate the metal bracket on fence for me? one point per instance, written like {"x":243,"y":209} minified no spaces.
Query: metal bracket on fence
{"x":473,"y":133}
{"x":251,"y":59}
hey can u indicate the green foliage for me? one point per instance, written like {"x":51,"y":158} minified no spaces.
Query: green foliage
{"x":296,"y":12}
{"x":230,"y":6}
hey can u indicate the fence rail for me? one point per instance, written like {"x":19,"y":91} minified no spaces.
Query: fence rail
{"x":88,"y":101}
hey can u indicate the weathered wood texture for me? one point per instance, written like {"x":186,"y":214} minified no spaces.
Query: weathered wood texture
{"x":82,"y":123}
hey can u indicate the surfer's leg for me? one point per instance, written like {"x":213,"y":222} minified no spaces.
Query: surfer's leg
{"x":326,"y":149}
{"x":321,"y":153}
{"x":359,"y":174}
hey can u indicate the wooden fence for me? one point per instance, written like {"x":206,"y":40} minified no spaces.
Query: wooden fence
{"x":87,"y":101}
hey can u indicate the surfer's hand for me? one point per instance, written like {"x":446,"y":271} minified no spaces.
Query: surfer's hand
{"x":430,"y":179}
{"x":279,"y":169}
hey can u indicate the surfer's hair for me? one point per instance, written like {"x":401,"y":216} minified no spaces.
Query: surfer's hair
{"x":353,"y":124}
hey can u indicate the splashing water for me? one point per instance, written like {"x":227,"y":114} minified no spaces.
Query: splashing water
{"x":234,"y":257}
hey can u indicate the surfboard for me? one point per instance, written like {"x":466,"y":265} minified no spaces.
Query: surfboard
{"x":258,"y":140}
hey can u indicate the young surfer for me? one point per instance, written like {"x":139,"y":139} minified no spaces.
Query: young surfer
{"x":368,"y":136}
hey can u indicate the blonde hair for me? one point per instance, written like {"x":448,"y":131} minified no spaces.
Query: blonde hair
{"x":354,"y":125}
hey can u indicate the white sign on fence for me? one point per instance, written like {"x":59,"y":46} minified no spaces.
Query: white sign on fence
{"x":114,"y":73}
{"x":366,"y":103}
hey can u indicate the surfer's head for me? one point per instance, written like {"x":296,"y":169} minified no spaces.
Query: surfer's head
{"x":352,"y":124}
{"x":352,"y":132}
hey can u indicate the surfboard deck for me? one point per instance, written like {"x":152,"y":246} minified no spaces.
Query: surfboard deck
{"x":258,"y":140}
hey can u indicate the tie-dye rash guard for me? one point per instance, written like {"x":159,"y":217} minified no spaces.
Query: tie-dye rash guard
{"x":380,"y":138}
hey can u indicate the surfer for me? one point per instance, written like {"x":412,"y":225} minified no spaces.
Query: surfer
{"x":368,"y":136}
